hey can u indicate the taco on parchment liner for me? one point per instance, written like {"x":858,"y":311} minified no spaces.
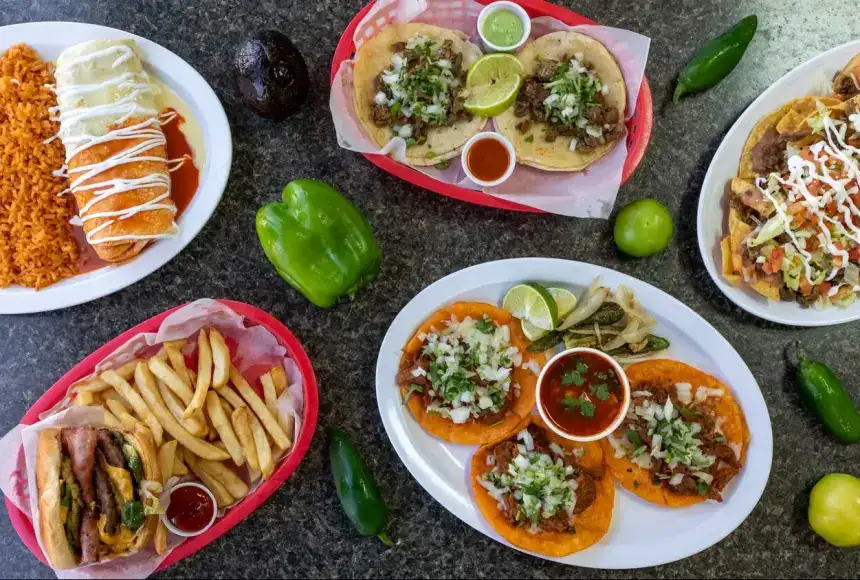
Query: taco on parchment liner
{"x":409,"y":81}
{"x":570,"y":110}
{"x":462,"y":374}
{"x":541,"y":492}
{"x":684,"y":439}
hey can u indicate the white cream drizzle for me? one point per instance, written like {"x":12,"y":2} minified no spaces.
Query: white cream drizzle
{"x":148,"y":131}
{"x":801,"y":174}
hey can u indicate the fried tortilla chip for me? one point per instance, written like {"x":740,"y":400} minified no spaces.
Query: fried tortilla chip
{"x":474,"y":431}
{"x":667,"y":373}
{"x":591,"y":525}
{"x":738,"y":231}
{"x":767,"y":123}
{"x":795,"y":120}
{"x":767,"y":288}
{"x":728,"y":267}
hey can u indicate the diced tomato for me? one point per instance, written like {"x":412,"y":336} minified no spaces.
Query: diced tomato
{"x":806,"y":153}
{"x":854,"y":254}
{"x":815,"y":187}
{"x":797,"y":221}
{"x":796,"y":208}
{"x":824,"y":288}
{"x":805,"y":286}
{"x":812,"y":244}
{"x":855,"y":198}
{"x":776,"y":255}
{"x":831,"y":208}
{"x":838,"y":245}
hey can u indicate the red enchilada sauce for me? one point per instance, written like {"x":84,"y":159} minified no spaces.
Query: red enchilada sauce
{"x":190,"y":508}
{"x":582,"y":394}
{"x":488,"y":159}
{"x":183,"y":185}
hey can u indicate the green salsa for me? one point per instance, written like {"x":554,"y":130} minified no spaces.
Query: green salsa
{"x":503,"y":28}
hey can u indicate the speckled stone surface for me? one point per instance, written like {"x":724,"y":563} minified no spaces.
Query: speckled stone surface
{"x":300,"y":530}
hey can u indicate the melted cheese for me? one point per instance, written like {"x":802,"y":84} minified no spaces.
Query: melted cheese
{"x":121,"y":481}
{"x":118,"y":542}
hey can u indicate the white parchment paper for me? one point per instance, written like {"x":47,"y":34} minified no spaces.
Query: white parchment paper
{"x":590,"y":193}
{"x":255,"y":348}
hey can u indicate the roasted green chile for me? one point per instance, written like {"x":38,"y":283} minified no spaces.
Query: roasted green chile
{"x":717,"y":59}
{"x":359,"y":496}
{"x":823,"y":393}
{"x":319,"y":242}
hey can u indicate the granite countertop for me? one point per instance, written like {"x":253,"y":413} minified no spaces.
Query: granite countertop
{"x":300,"y":530}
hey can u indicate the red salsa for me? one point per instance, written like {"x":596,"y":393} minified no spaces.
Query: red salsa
{"x":582,"y":394}
{"x":488,"y":159}
{"x":190,"y":508}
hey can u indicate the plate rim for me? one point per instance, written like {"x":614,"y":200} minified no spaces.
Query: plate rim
{"x":218,"y":161}
{"x":760,"y":307}
{"x":519,"y":269}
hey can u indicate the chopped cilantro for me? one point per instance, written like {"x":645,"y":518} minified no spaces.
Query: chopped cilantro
{"x":688,"y":414}
{"x":430,"y":155}
{"x":634,"y":438}
{"x":601,"y":376}
{"x":572,"y":378}
{"x":586,"y":407}
{"x":601,"y":391}
{"x":702,"y":488}
{"x":720,"y":438}
{"x":413,"y":388}
{"x":410,"y":142}
{"x":443,"y":165}
{"x":581,"y":367}
{"x":395,"y":108}
{"x":529,"y":139}
{"x":485,"y":325}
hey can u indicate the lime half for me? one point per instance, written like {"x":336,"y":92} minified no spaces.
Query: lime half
{"x":532,"y":303}
{"x":565,"y":302}
{"x":493,"y":82}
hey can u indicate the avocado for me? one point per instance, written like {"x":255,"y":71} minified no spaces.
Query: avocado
{"x":271,"y":74}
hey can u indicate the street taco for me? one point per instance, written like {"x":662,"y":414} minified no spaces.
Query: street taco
{"x":570,"y":110}
{"x":462,"y":374}
{"x":846,"y":83}
{"x":409,"y":81}
{"x":684,"y":438}
{"x":541,"y":492}
{"x":794,"y":208}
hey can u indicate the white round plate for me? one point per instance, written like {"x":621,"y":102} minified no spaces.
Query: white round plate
{"x":812,"y":77}
{"x":49,"y":39}
{"x":641,"y":534}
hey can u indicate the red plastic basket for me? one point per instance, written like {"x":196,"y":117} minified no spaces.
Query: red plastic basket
{"x":24,"y":526}
{"x":638,"y":127}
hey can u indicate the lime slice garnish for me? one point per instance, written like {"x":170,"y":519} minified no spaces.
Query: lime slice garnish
{"x":531,"y":331}
{"x":491,"y":67}
{"x":493,"y":82}
{"x":565,"y":301}
{"x":532,"y":303}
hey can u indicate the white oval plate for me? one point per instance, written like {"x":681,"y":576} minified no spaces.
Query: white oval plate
{"x":49,"y":39}
{"x":809,"y":78}
{"x":641,"y":534}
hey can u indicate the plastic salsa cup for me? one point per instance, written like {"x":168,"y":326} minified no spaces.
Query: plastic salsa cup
{"x":497,"y":23}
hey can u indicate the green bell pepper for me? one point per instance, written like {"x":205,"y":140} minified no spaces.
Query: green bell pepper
{"x":318,"y":242}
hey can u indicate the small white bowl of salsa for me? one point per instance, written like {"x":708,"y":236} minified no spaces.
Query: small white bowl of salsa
{"x":504,"y":26}
{"x":192,"y":509}
{"x":583,"y":394}
{"x":488,"y":158}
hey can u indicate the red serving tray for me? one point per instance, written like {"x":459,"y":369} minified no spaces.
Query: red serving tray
{"x":638,"y":127}
{"x":24,"y":526}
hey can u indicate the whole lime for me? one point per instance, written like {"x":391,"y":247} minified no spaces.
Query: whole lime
{"x":643,"y":228}
{"x":834,"y":509}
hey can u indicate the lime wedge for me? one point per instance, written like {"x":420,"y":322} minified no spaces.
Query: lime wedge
{"x":532,"y":303}
{"x":491,"y":67}
{"x":565,"y":301}
{"x":493,"y":82}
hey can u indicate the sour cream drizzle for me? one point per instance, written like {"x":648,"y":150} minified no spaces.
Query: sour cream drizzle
{"x":76,"y":140}
{"x":802,"y":173}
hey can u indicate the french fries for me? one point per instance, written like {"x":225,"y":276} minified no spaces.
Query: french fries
{"x":111,"y":420}
{"x":230,"y":396}
{"x":147,"y":385}
{"x":270,"y":393}
{"x":279,"y":377}
{"x":128,"y":422}
{"x":160,"y":539}
{"x":96,"y":384}
{"x":259,"y":407}
{"x":223,"y":427}
{"x":134,"y":399}
{"x":264,"y":451}
{"x":167,"y":375}
{"x":222,"y":496}
{"x":226,"y":477}
{"x":179,"y":468}
{"x":195,"y":425}
{"x":242,"y":427}
{"x":177,"y":361}
{"x":204,"y":374}
{"x":220,"y":359}
{"x":84,"y":398}
{"x":228,"y":408}
{"x":166,"y":458}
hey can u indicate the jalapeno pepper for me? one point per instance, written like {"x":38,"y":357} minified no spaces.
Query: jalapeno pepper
{"x":318,"y":242}
{"x":822,"y":391}
{"x":356,"y":489}
{"x":717,"y":59}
